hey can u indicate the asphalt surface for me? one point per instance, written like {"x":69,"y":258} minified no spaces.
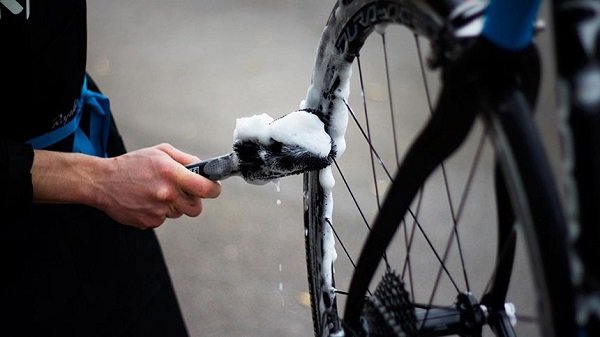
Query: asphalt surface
{"x":182,"y":72}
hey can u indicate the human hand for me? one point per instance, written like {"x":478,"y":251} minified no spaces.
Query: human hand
{"x":146,"y":186}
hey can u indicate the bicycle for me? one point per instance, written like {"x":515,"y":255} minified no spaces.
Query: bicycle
{"x":524,"y":189}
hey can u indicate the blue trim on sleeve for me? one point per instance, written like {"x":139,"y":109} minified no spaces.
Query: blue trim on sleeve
{"x":100,"y":120}
{"x":510,"y":23}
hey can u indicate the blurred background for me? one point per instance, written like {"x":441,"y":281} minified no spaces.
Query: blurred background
{"x":182,"y":72}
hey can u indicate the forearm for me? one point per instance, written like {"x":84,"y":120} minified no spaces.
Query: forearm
{"x":140,"y":188}
{"x":59,"y":177}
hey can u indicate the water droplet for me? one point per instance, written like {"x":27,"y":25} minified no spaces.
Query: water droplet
{"x":280,"y":286}
{"x":277,"y":185}
{"x":278,"y":202}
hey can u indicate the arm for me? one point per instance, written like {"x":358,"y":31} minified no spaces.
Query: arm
{"x":140,"y":188}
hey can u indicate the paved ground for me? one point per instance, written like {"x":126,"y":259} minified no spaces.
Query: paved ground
{"x":182,"y":72}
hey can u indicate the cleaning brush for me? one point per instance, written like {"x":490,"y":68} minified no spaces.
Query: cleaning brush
{"x":266,"y":149}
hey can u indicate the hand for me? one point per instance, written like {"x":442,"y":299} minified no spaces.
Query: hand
{"x":141,"y":188}
{"x":149,"y":185}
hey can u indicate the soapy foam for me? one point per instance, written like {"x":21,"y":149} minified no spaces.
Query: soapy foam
{"x":298,"y":128}
{"x":337,"y":120}
{"x":308,"y":131}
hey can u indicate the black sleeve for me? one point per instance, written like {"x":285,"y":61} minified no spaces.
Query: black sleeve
{"x":16,"y":160}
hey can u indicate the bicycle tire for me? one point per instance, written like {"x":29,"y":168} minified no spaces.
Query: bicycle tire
{"x":336,"y":51}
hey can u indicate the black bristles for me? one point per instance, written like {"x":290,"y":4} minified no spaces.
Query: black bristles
{"x":259,"y":162}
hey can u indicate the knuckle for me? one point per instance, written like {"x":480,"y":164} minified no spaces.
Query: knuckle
{"x":166,"y":171}
{"x":166,"y":194}
{"x":164,"y":146}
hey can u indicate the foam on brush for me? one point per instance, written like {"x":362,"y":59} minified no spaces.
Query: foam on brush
{"x":266,"y":149}
{"x":270,"y":148}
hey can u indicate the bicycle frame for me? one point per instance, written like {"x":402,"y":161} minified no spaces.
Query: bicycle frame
{"x":451,"y":122}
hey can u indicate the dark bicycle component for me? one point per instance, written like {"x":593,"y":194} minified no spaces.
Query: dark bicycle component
{"x":389,"y":311}
{"x":497,"y":99}
{"x":465,"y":318}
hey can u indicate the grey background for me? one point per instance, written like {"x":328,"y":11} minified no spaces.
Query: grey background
{"x":181,"y":72}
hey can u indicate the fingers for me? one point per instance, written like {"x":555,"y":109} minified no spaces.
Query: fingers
{"x":187,"y":205}
{"x":182,"y":196}
{"x":190,"y":182}
{"x":197,"y":185}
{"x":210,"y":189}
{"x":173,"y":212}
{"x":175,"y":208}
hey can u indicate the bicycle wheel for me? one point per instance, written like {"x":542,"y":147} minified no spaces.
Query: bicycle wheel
{"x":438,"y":289}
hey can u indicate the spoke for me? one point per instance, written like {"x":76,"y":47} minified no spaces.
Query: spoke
{"x":407,"y":264}
{"x":412,"y":214}
{"x":463,"y":200}
{"x":468,"y":184}
{"x":362,"y":215}
{"x":446,"y":185}
{"x":455,"y":215}
{"x":342,"y":244}
{"x":372,"y":149}
{"x":474,"y":166}
{"x":341,"y":292}
{"x":409,"y":210}
{"x":455,"y":227}
{"x":344,"y":248}
{"x":366,"y":110}
{"x":443,"y":166}
{"x":437,"y":255}
{"x":389,"y":87}
{"x":387,"y":172}
{"x":423,"y":73}
{"x":407,"y":267}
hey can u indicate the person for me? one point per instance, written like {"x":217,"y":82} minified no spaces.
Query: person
{"x":79,"y":254}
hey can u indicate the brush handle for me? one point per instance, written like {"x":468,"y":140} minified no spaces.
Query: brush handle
{"x":215,"y":168}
